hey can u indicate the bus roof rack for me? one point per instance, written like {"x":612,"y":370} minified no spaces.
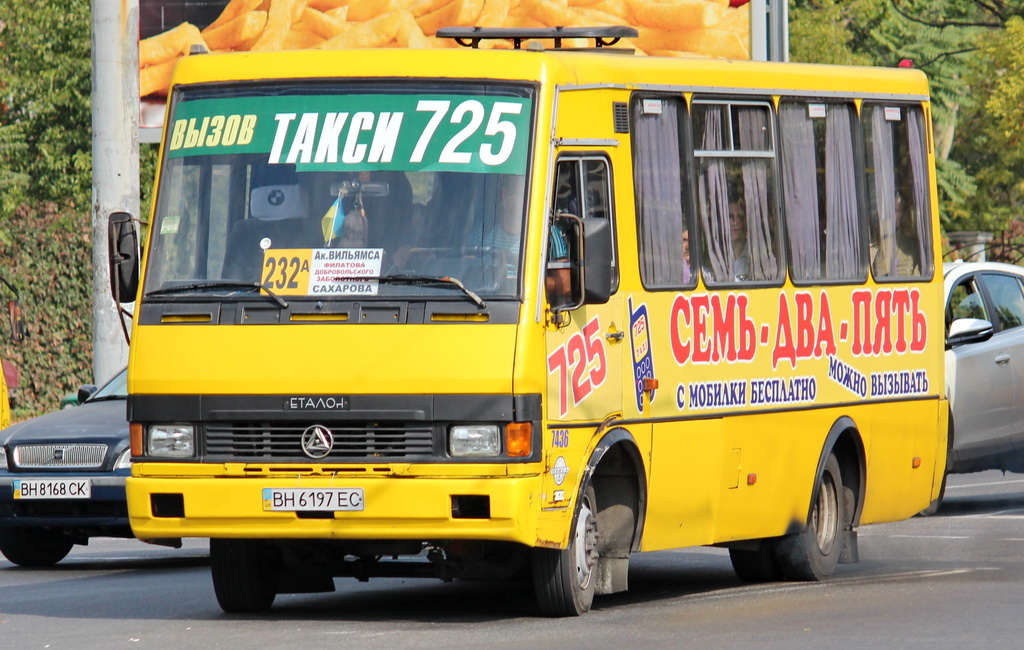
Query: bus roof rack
{"x":471,"y":36}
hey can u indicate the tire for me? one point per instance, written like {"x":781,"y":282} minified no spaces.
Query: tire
{"x":756,"y":566}
{"x":813,"y":554}
{"x":245,"y":574}
{"x":27,"y":547}
{"x":564,"y":579}
{"x":933,"y":508}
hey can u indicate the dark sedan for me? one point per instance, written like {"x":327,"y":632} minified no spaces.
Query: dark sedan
{"x":62,"y":477}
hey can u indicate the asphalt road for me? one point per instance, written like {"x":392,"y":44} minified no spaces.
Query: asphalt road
{"x":952,"y":580}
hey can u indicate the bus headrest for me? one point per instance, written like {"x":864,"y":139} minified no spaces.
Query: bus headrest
{"x":273,"y":202}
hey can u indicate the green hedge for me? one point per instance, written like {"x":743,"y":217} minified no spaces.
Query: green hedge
{"x":47,"y":254}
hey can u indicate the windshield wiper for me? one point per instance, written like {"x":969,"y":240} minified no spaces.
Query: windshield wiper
{"x":219,"y":285}
{"x":430,"y":280}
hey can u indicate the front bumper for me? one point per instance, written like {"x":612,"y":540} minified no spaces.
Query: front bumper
{"x":395,"y":508}
{"x":105,"y":513}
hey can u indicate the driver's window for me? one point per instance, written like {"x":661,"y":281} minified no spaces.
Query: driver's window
{"x":965,"y":301}
{"x":583,"y":189}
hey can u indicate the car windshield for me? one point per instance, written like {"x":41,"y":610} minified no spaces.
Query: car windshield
{"x":113,"y":389}
{"x":320,"y":191}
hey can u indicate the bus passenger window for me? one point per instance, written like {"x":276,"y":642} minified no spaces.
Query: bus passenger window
{"x":898,"y":192}
{"x":819,"y":173}
{"x":658,"y":177}
{"x":735,"y":196}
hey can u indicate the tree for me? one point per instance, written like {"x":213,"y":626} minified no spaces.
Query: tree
{"x":992,"y":142}
{"x":45,"y":142}
{"x":45,"y":192}
{"x":943,"y":38}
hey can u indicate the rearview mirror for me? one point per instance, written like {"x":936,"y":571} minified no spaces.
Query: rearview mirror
{"x":124,"y":256}
{"x":17,"y":319}
{"x":85,"y":391}
{"x":14,"y":314}
{"x":968,"y":330}
{"x":589,"y":267}
{"x":597,"y":261}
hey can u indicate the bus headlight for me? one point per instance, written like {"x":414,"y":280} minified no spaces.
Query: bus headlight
{"x":171,"y":440}
{"x":474,"y":440}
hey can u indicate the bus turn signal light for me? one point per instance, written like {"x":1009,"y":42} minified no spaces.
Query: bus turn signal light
{"x":518,"y":439}
{"x":135,"y":438}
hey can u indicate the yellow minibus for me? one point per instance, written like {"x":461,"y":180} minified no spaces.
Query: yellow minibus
{"x":497,"y":313}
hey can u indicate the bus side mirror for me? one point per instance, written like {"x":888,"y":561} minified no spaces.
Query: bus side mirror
{"x":124,"y":256}
{"x":597,"y":261}
{"x":17,"y":319}
{"x":587,"y":275}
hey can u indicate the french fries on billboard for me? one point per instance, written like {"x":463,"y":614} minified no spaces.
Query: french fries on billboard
{"x":707,"y":28}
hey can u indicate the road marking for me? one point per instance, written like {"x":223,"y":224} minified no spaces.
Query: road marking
{"x":933,"y":536}
{"x":1016,"y":513}
{"x":989,"y":484}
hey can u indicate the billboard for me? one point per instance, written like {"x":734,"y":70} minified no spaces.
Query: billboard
{"x":168,"y":29}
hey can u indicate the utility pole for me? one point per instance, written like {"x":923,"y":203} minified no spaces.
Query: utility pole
{"x":115,"y":162}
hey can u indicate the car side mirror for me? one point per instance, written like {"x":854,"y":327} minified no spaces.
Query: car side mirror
{"x":123,"y":250}
{"x":968,"y":330}
{"x":85,"y":391}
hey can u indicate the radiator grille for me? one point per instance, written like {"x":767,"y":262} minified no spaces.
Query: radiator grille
{"x":71,"y":456}
{"x":352,"y":441}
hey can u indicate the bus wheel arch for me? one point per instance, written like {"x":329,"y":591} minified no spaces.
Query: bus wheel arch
{"x":616,"y":470}
{"x":827,"y":537}
{"x":606,"y":528}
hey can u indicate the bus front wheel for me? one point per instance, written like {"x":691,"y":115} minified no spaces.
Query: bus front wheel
{"x":564,"y":579}
{"x":245,"y":574}
{"x":813,"y":554}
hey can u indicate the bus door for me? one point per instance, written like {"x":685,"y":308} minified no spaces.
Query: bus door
{"x":585,"y":346}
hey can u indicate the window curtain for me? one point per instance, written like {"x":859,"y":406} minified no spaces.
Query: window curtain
{"x":843,"y":242}
{"x":800,"y":185}
{"x":659,"y":195}
{"x":885,"y":192}
{"x":922,"y":216}
{"x":713,"y":201}
{"x":753,"y":136}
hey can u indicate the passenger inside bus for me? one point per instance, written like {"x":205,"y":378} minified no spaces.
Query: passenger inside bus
{"x":738,"y":238}
{"x":908,"y":258}
{"x":685,"y":275}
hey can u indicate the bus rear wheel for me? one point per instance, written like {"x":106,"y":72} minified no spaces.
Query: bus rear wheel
{"x":564,"y":579}
{"x":756,"y":566}
{"x":813,"y":554}
{"x":245,"y":574}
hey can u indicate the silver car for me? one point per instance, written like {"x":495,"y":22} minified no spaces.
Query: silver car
{"x":985,"y":366}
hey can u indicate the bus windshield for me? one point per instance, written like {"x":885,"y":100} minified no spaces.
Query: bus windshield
{"x":332,"y":190}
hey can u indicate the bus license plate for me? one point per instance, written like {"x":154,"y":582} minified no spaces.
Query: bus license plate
{"x":321,"y":499}
{"x":53,"y":488}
